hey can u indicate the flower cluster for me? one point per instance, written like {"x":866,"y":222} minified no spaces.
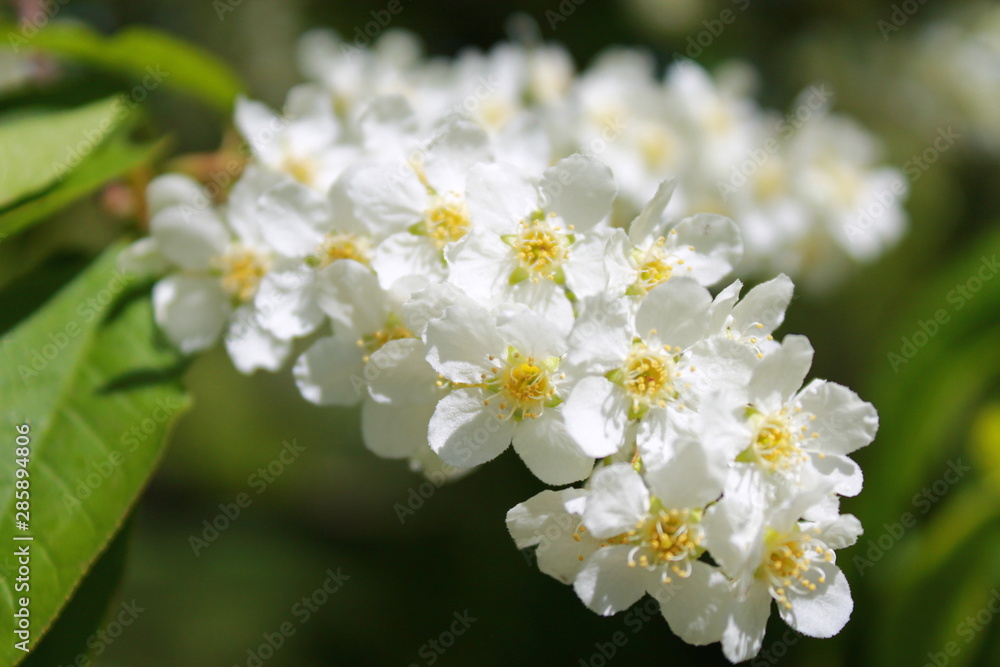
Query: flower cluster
{"x":439,"y":264}
{"x":956,"y":60}
{"x":796,"y":184}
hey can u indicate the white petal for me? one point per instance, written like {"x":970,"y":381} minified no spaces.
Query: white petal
{"x":765,"y":304}
{"x":291,"y":217}
{"x":619,"y":268}
{"x":843,"y":532}
{"x":548,"y":451}
{"x":744,"y":632}
{"x":391,"y":199}
{"x":175,"y":190}
{"x":398,"y":373}
{"x":585,"y":271}
{"x":734,"y":526}
{"x":242,"y":212}
{"x":677,"y":310}
{"x":331,"y":372}
{"x":286,"y":304}
{"x":546,"y":298}
{"x":405,"y":254}
{"x":606,"y":584}
{"x":386,"y":124}
{"x":499,"y":196}
{"x":259,"y":126}
{"x":579,"y":189}
{"x":646,"y":225}
{"x":480,"y":264}
{"x":465,"y":433}
{"x":543,"y":521}
{"x":460,"y":342}
{"x":688,"y":478}
{"x":350,"y":294}
{"x":527,"y":521}
{"x":430,"y":303}
{"x":596,"y":415}
{"x":395,"y":431}
{"x":251,"y":347}
{"x":781,"y":373}
{"x":844,"y":422}
{"x":710,"y":246}
{"x":530,"y":333}
{"x":825,"y":611}
{"x":721,"y":364}
{"x":601,"y":336}
{"x":722,"y":306}
{"x":191,"y":311}
{"x":618,"y":500}
{"x":525,"y":143}
{"x":845,"y":473}
{"x":143,"y":258}
{"x":697,"y":608}
{"x":451,"y":154}
{"x":189,"y":237}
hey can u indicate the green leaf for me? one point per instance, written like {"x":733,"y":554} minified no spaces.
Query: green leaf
{"x":98,"y":392}
{"x":73,"y":633}
{"x":40,"y":149}
{"x":146,"y":56}
{"x":116,"y":158}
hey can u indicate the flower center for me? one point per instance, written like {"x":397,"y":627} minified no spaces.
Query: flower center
{"x":447,"y":221}
{"x":242,"y":270}
{"x":653,"y":266}
{"x":666,"y":539}
{"x":776,"y":445}
{"x":845,"y":180}
{"x":494,"y":113}
{"x":657,"y":146}
{"x":540,"y":249}
{"x":394,"y":329}
{"x":301,"y":169}
{"x":524,"y":385}
{"x":648,"y":377}
{"x":789,"y":564}
{"x":343,"y":246}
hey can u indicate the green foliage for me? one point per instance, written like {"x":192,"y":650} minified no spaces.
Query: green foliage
{"x":99,"y":394}
{"x":143,"y":55}
{"x":113,"y":159}
{"x":73,"y":633}
{"x":40,"y":149}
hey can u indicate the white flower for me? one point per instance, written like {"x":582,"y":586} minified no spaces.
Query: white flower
{"x":704,"y":247}
{"x":646,"y":371}
{"x":550,"y":522}
{"x":628,"y":535}
{"x":220,"y":262}
{"x":404,"y":388}
{"x":304,"y":144}
{"x":422,"y":205}
{"x":857,"y":205}
{"x":353,"y":73}
{"x":622,"y":112}
{"x":503,"y":369}
{"x":752,"y":319}
{"x":371,"y":336}
{"x":770,"y":552}
{"x":715,"y":113}
{"x":535,"y":243}
{"x":785,"y":428}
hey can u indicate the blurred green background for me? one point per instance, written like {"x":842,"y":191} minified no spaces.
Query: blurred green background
{"x":337,"y":506}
